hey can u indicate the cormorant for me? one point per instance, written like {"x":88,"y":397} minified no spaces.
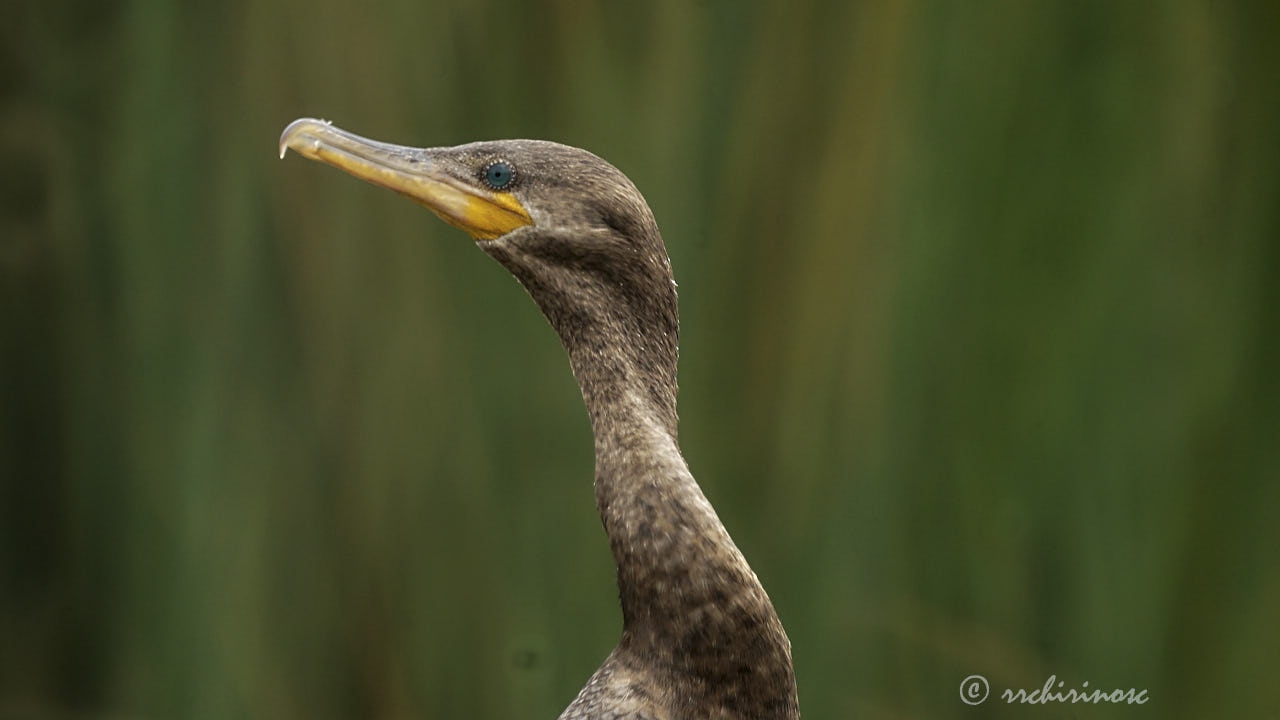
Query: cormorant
{"x":700,"y":638}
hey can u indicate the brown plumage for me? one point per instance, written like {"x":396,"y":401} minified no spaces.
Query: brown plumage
{"x":700,"y":637}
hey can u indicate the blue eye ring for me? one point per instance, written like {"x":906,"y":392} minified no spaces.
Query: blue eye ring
{"x":499,"y":175}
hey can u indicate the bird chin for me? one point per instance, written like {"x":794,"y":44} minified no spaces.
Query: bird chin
{"x":502,"y":241}
{"x":492,"y":243}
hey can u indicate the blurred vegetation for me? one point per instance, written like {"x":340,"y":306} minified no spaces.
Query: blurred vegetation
{"x":979,"y":366}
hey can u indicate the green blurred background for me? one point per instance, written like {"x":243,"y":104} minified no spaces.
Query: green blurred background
{"x":979,"y":359}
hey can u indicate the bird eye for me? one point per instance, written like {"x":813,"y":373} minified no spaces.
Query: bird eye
{"x":499,"y":174}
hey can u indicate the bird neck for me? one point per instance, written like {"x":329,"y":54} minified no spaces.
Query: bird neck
{"x":653,"y":511}
{"x":691,"y":606}
{"x":682,"y":581}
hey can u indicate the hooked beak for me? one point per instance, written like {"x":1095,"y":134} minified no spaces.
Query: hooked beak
{"x":412,"y":172}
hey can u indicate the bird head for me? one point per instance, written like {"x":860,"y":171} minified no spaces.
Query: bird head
{"x":572,"y":228}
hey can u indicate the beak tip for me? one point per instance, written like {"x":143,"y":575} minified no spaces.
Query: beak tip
{"x":296,"y":128}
